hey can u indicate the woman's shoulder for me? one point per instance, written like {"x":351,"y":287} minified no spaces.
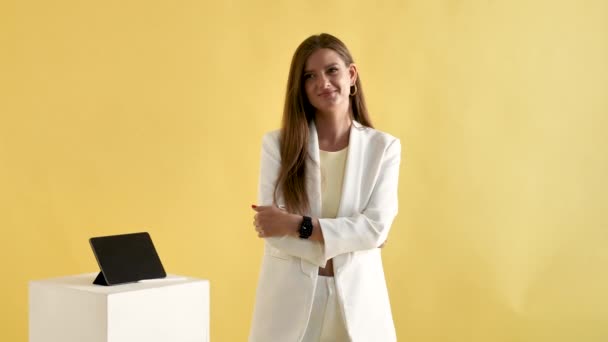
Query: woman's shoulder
{"x":272,"y":135}
{"x":376,"y":135}
{"x":271,"y":139}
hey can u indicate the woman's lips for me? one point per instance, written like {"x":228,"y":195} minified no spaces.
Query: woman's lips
{"x":327,"y":93}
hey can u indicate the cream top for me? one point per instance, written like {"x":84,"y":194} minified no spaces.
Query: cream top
{"x":332,"y":175}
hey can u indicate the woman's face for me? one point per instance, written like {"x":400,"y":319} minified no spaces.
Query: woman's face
{"x":327,"y":81}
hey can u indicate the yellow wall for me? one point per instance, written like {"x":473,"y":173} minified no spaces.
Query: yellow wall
{"x":121,"y":116}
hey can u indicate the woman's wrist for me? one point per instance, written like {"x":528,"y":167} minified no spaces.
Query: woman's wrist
{"x":294,"y":226}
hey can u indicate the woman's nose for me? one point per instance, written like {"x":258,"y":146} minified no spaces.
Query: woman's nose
{"x":322,"y":81}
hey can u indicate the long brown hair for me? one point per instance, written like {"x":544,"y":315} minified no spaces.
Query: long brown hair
{"x":297,"y":115}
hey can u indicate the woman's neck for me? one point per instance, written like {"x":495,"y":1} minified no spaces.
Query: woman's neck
{"x":333,"y":132}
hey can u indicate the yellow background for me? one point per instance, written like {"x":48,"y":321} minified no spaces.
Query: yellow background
{"x":123,"y":116}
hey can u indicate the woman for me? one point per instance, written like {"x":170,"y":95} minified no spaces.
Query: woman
{"x":327,"y":198}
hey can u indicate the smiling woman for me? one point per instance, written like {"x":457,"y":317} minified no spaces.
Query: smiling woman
{"x":328,"y":195}
{"x":327,"y":81}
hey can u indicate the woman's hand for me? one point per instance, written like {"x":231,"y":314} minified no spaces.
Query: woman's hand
{"x":270,"y":221}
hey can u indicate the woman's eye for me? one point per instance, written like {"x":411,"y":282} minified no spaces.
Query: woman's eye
{"x":333,"y":70}
{"x":307,"y":76}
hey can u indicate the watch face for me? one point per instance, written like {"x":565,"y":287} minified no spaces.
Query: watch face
{"x":306,"y":228}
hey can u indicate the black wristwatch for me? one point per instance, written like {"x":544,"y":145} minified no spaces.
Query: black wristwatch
{"x":305,"y":228}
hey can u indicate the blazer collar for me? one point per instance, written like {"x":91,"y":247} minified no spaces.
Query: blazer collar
{"x":313,"y":139}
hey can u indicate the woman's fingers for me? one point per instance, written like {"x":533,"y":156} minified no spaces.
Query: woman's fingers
{"x":257,"y":226}
{"x":264,"y":211}
{"x":256,"y":221}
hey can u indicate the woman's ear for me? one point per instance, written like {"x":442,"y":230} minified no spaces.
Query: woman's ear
{"x":352,"y":71}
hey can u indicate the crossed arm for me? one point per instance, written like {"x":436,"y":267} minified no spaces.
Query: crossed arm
{"x":278,"y":222}
{"x":366,"y":229}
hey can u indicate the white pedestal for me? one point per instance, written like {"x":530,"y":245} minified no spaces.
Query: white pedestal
{"x":72,"y":309}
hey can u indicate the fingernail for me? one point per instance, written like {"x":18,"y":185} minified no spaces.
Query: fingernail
{"x":254,"y":206}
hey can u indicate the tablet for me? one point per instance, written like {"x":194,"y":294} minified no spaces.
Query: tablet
{"x":126,"y":258}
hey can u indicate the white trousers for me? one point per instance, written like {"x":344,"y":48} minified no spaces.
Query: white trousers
{"x":326,"y":323}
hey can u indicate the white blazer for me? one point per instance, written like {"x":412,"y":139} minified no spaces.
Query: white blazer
{"x":289,"y":267}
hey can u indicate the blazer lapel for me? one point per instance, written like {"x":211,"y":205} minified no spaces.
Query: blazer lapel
{"x":313,"y":172}
{"x":352,"y":172}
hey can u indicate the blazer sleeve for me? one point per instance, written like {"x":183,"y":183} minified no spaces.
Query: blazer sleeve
{"x":369,"y":228}
{"x":269,"y":171}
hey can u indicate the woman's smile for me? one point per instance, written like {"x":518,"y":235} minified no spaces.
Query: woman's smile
{"x":328,"y":93}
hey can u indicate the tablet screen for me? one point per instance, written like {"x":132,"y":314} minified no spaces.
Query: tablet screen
{"x":127,"y":258}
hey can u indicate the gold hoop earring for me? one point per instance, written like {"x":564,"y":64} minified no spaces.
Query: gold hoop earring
{"x":353,"y":93}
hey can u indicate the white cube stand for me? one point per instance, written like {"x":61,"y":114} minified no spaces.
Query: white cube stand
{"x":72,"y":309}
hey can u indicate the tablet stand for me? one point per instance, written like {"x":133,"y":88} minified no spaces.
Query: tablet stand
{"x":100,"y":280}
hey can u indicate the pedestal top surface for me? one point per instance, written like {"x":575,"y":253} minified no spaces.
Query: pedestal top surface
{"x":84,"y":282}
